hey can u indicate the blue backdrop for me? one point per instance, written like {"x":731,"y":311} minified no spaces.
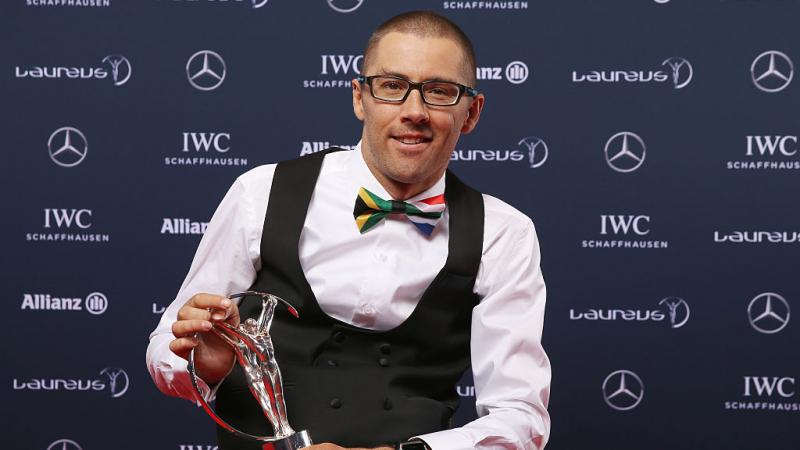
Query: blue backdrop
{"x":654,"y":144}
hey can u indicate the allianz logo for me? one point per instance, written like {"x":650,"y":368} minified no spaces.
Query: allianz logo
{"x":674,"y":309}
{"x":756,"y":237}
{"x":309,"y":147}
{"x":95,"y":303}
{"x":769,"y":145}
{"x":113,"y":379}
{"x":182,"y":226}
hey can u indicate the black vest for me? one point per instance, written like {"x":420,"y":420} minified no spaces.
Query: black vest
{"x":347,"y":385}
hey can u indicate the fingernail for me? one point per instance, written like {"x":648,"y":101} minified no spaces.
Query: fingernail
{"x":218,"y":316}
{"x":206,"y":326}
{"x":226,"y":302}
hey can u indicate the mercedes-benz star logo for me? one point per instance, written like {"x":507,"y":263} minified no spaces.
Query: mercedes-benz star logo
{"x":120,"y":68}
{"x":678,"y":311}
{"x":67,"y":146}
{"x":625,"y":151}
{"x":772,"y":71}
{"x":623,"y":390}
{"x":206,"y":70}
{"x":259,"y":3}
{"x":64,"y":444}
{"x":768,"y":313}
{"x":118,"y":381}
{"x":345,"y":6}
{"x":681,"y":70}
{"x":537,"y":150}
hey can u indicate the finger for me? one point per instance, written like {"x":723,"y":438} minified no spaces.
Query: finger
{"x":191,"y":313}
{"x":183,"y":328}
{"x":182,"y":346}
{"x":205,"y":301}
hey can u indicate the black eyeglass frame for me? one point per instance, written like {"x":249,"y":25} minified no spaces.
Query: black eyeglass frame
{"x":462,"y":89}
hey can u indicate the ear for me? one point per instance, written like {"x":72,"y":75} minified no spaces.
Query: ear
{"x":358,"y":107}
{"x":473,"y":114}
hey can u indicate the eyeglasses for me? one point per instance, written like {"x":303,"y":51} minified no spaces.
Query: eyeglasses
{"x":395,"y":90}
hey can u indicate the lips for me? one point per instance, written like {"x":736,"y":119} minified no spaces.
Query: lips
{"x":411,"y":139}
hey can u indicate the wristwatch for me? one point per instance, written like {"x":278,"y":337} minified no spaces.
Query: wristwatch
{"x":413,"y":444}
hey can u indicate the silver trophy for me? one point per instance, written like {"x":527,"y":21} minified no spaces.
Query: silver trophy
{"x":253,"y":347}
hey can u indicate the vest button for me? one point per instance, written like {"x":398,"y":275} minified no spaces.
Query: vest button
{"x":383,"y":362}
{"x":387,"y":404}
{"x":338,"y":337}
{"x":336,"y":403}
{"x":385,"y":349}
{"x":332,"y":363}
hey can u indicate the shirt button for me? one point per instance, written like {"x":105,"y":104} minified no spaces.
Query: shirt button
{"x":368,"y":310}
{"x":383,"y":362}
{"x":385,"y":349}
{"x":336,"y":403}
{"x":338,"y":337}
{"x":332,"y":363}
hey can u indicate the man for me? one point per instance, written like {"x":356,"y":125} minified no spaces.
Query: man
{"x":393,"y":307}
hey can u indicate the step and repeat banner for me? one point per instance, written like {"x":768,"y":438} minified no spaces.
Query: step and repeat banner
{"x":653,"y":142}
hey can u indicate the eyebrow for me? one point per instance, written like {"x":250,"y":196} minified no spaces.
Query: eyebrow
{"x":384,"y":71}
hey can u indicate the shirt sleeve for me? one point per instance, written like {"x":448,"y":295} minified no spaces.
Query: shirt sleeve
{"x":510,"y":368}
{"x":227,"y":261}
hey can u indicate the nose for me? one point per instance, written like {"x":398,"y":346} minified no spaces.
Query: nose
{"x":414,"y":110}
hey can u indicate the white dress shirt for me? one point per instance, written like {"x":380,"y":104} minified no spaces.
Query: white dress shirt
{"x":375,"y":280}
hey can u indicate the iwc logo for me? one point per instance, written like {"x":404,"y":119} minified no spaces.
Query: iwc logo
{"x":768,"y":313}
{"x":772,"y":71}
{"x":67,"y":147}
{"x":623,"y":390}
{"x":206,"y":70}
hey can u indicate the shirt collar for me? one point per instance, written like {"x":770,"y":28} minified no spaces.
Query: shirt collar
{"x":357,"y":168}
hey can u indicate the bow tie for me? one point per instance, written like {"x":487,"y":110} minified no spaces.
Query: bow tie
{"x":371,"y":209}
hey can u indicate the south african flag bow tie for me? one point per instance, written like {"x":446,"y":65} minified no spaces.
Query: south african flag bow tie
{"x":371,"y":209}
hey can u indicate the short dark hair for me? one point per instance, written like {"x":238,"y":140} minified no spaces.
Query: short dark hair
{"x":425,"y":24}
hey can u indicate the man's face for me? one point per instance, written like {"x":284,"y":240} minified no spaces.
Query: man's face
{"x":407,"y":146}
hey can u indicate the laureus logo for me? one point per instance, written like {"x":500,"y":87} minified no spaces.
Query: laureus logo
{"x":677,"y":311}
{"x":537,"y":150}
{"x":681,"y":71}
{"x":118,"y":381}
{"x":120,"y":68}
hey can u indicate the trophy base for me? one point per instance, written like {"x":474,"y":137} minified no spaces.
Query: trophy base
{"x":299,"y":440}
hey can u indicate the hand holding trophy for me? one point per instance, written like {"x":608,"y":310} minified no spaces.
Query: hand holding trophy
{"x":253,"y":347}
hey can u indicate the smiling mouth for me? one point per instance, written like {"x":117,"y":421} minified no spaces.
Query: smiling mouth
{"x":411,"y":140}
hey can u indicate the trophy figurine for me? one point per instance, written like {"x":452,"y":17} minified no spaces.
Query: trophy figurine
{"x":253,"y":347}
